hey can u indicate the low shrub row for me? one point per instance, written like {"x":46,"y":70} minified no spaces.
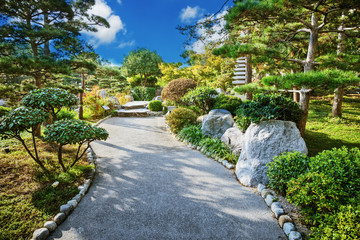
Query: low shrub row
{"x":210,"y":146}
{"x":326,"y":187}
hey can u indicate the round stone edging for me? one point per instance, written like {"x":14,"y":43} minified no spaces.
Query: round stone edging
{"x":66,"y":209}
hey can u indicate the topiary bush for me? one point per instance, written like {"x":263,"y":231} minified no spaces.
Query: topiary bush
{"x":202,"y":97}
{"x":266,"y":107}
{"x":332,"y":181}
{"x":73,"y":131}
{"x":180,"y":118}
{"x":50,"y":99}
{"x":20,"y":120}
{"x":155,"y":105}
{"x":230,"y":103}
{"x":176,"y":89}
{"x":285,"y":167}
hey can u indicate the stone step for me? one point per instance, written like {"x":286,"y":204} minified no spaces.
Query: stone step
{"x":239,"y":73}
{"x":240,"y":82}
{"x":143,"y":112}
{"x":239,"y":77}
{"x":135,"y":105}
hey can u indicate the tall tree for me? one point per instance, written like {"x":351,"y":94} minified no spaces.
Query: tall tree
{"x":33,"y":28}
{"x":142,"y":62}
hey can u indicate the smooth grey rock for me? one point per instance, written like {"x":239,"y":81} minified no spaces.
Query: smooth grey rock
{"x":224,"y":162}
{"x":3,"y":103}
{"x":50,"y":225}
{"x":129,"y":98}
{"x":294,"y":235}
{"x":278,"y":212}
{"x":66,"y":208}
{"x":284,"y":219}
{"x":261,"y":143}
{"x":229,"y":165}
{"x":115,"y":102}
{"x":265,"y":192}
{"x":72,"y":203}
{"x":81,"y":187}
{"x":288,"y":228}
{"x":82,"y":192}
{"x":269,"y":199}
{"x":261,"y":187}
{"x":158,"y":98}
{"x":216,"y":123}
{"x":275,"y":205}
{"x":198,"y":148}
{"x":233,"y":138}
{"x":77,"y":198}
{"x":59,"y":218}
{"x":41,"y":234}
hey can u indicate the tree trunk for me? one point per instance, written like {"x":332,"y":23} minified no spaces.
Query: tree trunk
{"x":81,"y":101}
{"x":60,"y":158}
{"x":309,"y":66}
{"x":339,"y":92}
{"x":337,"y":103}
{"x":296,"y":96}
{"x":248,"y":75}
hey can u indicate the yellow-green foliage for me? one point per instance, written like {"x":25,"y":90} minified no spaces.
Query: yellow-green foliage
{"x":180,"y":118}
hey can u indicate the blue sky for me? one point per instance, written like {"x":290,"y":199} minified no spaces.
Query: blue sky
{"x":146,"y":24}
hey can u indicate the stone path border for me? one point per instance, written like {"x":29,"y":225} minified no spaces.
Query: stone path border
{"x":66,"y":209}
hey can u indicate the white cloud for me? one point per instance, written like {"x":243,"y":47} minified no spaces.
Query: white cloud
{"x":190,"y":13}
{"x":105,"y":35}
{"x":127,"y":44}
{"x":214,"y":36}
{"x":119,"y":2}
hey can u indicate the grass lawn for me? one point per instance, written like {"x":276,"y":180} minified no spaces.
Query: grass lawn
{"x":324,"y":132}
{"x":27,"y":198}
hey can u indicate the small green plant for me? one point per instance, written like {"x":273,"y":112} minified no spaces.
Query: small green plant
{"x":202,"y":97}
{"x":242,"y":122}
{"x":176,"y":89}
{"x":230,"y":103}
{"x":155,"y":105}
{"x":51,"y":100}
{"x":4,"y":111}
{"x":266,"y":107}
{"x":74,"y":131}
{"x":20,"y":120}
{"x":144,"y":93}
{"x":180,"y":118}
{"x":286,"y":167}
{"x":192,"y":134}
{"x":66,"y":113}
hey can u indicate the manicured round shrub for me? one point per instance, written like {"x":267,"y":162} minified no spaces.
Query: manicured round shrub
{"x":155,"y":105}
{"x":230,"y":103}
{"x":332,"y":181}
{"x":180,"y":118}
{"x":285,"y":167}
{"x":202,"y":97}
{"x":177,"y":88}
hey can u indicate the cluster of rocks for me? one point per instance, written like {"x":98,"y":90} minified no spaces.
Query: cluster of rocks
{"x":257,"y":146}
{"x":285,"y":221}
{"x":65,"y":210}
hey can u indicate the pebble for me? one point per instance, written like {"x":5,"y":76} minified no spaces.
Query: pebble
{"x":41,"y":234}
{"x":295,"y":236}
{"x":261,"y":187}
{"x":265,"y":192}
{"x":275,"y":205}
{"x":284,"y":219}
{"x":269,"y":199}
{"x":59,"y":218}
{"x":288,"y":228}
{"x":66,"y":208}
{"x":50,"y":225}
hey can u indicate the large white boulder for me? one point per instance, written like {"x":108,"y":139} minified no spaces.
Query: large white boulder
{"x":261,"y":143}
{"x":233,"y":138}
{"x":217,"y":122}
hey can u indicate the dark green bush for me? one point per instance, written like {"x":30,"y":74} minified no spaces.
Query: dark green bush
{"x":285,"y":167}
{"x":176,"y":89}
{"x":4,"y":110}
{"x":230,"y":103}
{"x":345,"y":224}
{"x":272,"y":106}
{"x":180,"y":118}
{"x":332,"y":181}
{"x":202,"y":97}
{"x":155,"y":105}
{"x":143,"y":93}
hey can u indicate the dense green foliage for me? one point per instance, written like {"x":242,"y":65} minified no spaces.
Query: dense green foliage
{"x":143,"y":93}
{"x":230,"y":103}
{"x":176,"y":89}
{"x":180,"y":118}
{"x":284,"y":168}
{"x":73,"y":131}
{"x":266,"y":107}
{"x":4,"y":110}
{"x":202,"y":97}
{"x":155,"y":105}
{"x":50,"y":99}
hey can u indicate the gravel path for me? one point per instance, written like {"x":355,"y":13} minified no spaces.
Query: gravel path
{"x":150,"y":186}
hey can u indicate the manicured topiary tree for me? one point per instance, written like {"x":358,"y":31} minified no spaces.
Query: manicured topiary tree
{"x":50,"y":99}
{"x":19,"y":120}
{"x":155,"y":105}
{"x":64,"y":132}
{"x":202,"y":97}
{"x":177,"y":88}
